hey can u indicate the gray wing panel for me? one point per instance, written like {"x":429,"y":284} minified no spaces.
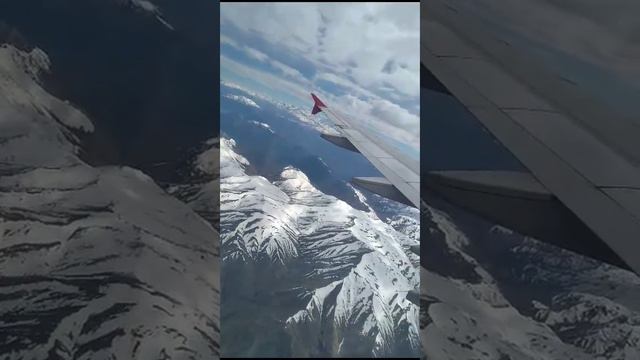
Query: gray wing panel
{"x":562,"y":151}
{"x":462,"y":22}
{"x":401,"y":173}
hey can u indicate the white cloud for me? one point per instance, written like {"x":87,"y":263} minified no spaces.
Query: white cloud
{"x":369,"y":45}
{"x":350,"y":45}
{"x":258,"y":55}
{"x":346,"y":83}
{"x":384,"y":117}
{"x":268,"y":80}
{"x":287,"y":70}
{"x":262,"y":57}
{"x":229,"y":41}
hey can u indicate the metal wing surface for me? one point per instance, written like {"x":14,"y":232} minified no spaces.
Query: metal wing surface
{"x":401,"y":181}
{"x":582,"y":154}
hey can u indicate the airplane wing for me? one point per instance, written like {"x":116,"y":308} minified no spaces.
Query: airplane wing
{"x":583,"y":189}
{"x":401,"y":181}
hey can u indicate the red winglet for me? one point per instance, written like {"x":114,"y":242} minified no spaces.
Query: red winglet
{"x":317,"y":105}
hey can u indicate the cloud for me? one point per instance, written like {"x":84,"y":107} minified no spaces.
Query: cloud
{"x":256,"y":54}
{"x":266,"y":79}
{"x":264,"y":58}
{"x":228,"y":41}
{"x":383,"y":117}
{"x":346,"y":83}
{"x":287,"y":70}
{"x":371,"y":50}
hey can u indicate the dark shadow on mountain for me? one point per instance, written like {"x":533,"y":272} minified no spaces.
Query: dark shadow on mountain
{"x":150,"y":91}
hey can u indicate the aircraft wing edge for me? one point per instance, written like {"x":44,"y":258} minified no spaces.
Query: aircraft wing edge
{"x":402,"y":178}
{"x":609,"y":220}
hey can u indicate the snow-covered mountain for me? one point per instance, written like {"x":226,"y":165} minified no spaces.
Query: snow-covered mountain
{"x":243,"y":100}
{"x":95,"y":262}
{"x":486,"y":293}
{"x":305,"y":274}
{"x":319,"y":123}
{"x":201,"y":189}
{"x":502,"y":296}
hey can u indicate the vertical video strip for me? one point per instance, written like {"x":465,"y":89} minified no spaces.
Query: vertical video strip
{"x":530,"y":242}
{"x":319,"y":219}
{"x":109,"y":244}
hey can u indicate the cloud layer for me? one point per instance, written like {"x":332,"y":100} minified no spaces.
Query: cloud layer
{"x":361,"y":58}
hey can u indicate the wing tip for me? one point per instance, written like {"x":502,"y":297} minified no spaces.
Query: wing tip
{"x":317,"y":104}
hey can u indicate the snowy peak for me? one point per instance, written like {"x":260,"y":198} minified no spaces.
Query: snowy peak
{"x":532,"y":301}
{"x":89,"y":254}
{"x":32,"y":63}
{"x":350,"y":267}
{"x":231,"y":163}
{"x":294,"y":180}
{"x":319,"y":123}
{"x":269,"y":229}
{"x":243,"y":100}
{"x":20,"y":87}
{"x":208,"y":162}
{"x":263,"y":125}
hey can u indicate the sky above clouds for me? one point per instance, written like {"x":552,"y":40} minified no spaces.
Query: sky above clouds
{"x":363,"y":59}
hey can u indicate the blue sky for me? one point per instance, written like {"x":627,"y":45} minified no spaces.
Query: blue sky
{"x":363,"y":59}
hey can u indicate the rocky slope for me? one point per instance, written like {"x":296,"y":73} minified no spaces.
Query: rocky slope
{"x":305,"y":274}
{"x":486,"y":293}
{"x":95,"y":262}
{"x":504,"y":297}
